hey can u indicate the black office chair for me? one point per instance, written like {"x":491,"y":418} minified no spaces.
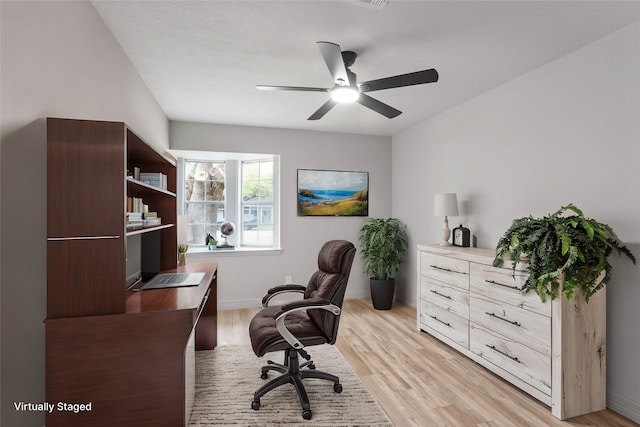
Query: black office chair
{"x":310,"y":321}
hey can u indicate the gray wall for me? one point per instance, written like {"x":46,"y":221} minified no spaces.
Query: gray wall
{"x":301,"y":237}
{"x":58,"y":60}
{"x":566,"y":132}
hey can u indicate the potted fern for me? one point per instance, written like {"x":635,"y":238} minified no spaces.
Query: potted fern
{"x":383,"y":243}
{"x":565,"y":253}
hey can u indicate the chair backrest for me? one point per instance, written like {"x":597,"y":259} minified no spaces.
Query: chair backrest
{"x":330,"y":282}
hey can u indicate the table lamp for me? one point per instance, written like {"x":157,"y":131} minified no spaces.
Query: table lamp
{"x":445,"y":204}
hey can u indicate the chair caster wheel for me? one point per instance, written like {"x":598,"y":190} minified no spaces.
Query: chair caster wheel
{"x":255,"y":405}
{"x":264,"y":376}
{"x":337,"y":388}
{"x":306,"y":414}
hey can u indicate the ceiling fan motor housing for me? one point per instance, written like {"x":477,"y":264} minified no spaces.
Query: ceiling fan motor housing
{"x":349,"y":58}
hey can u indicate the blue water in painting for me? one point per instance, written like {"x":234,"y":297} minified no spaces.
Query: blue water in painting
{"x":327,"y":196}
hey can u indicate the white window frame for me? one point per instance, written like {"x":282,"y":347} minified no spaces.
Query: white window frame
{"x":233,"y":201}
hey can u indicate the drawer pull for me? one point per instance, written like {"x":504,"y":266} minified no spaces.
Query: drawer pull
{"x":441,"y":321}
{"x":493,"y":282}
{"x":439,"y":294}
{"x":446,"y":269}
{"x":513,"y":322}
{"x":493,"y":347}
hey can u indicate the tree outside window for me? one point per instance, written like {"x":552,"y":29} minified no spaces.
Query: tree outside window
{"x":204,"y":198}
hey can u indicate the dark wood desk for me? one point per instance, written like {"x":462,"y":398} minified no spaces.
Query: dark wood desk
{"x":135,"y":368}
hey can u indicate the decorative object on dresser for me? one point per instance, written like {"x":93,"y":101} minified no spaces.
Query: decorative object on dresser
{"x":383,"y":243}
{"x":445,"y":204}
{"x":461,"y":236}
{"x":555,"y":350}
{"x":564,"y":253}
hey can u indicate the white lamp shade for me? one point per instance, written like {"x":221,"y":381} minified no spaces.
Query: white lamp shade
{"x":446,"y":204}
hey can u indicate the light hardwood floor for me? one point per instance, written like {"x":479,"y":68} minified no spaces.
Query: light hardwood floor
{"x":419,"y":381}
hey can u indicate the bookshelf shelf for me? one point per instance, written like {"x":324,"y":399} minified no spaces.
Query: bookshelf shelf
{"x":148,"y":229}
{"x":139,"y":187}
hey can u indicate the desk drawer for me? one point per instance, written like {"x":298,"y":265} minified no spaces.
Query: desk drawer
{"x":446,"y":323}
{"x":526,"y":327}
{"x":444,"y":269}
{"x":511,"y":356}
{"x":499,"y":284}
{"x":445,"y":296}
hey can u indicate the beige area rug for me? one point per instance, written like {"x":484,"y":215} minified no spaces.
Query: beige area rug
{"x":227,"y":377}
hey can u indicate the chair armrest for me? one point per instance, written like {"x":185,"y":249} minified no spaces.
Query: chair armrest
{"x":310,"y":303}
{"x":303,"y":303}
{"x":281,"y":289}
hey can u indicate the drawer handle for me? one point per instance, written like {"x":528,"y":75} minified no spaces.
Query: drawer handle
{"x":513,"y":322}
{"x":441,"y":321}
{"x":493,"y":347}
{"x":439,"y":294}
{"x":446,"y":269}
{"x":493,"y":282}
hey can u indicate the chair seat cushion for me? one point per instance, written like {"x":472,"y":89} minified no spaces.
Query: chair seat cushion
{"x":265,"y":337}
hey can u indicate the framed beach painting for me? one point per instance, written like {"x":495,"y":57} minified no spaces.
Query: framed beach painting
{"x":332,"y":193}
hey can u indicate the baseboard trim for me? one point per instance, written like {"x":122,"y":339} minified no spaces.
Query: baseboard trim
{"x":624,"y":406}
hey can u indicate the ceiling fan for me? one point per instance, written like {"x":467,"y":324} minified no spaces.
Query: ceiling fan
{"x":347,"y":89}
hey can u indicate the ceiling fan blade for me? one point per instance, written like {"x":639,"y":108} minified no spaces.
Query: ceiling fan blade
{"x":333,"y":57}
{"x":379,"y":107}
{"x":298,"y":88}
{"x":320,"y":112}
{"x":409,"y":79}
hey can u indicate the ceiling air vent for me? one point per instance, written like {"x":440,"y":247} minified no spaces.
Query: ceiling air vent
{"x":373,"y":4}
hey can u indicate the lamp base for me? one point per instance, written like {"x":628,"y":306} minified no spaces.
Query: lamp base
{"x":445,"y":233}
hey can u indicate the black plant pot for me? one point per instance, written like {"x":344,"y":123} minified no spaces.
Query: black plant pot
{"x":382,"y":293}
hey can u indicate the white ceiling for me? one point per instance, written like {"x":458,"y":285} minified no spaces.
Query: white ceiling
{"x":202,"y":60}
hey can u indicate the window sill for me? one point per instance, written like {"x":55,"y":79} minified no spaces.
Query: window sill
{"x":203,"y":252}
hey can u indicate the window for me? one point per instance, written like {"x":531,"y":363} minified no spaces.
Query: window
{"x":257,"y":203}
{"x":239,"y":188}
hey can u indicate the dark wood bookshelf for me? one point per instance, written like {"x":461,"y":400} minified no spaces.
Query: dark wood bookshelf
{"x":98,"y":335}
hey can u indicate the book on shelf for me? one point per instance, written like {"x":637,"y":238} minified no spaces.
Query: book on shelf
{"x":134,"y":216}
{"x":134,"y":220}
{"x":149,"y":222}
{"x":155,"y":179}
{"x":134,"y":226}
{"x":135,"y":205}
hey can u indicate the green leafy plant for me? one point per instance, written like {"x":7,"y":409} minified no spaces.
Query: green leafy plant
{"x":383,"y":242}
{"x":563,"y":252}
{"x":183,"y":248}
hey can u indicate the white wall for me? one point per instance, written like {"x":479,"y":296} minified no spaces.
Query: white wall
{"x":60,"y":60}
{"x":243,"y":279}
{"x":566,"y":132}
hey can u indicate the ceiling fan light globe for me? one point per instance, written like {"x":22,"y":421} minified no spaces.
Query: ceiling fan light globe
{"x":345,"y":94}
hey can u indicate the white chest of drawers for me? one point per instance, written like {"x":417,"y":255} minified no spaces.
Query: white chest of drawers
{"x":555,"y":351}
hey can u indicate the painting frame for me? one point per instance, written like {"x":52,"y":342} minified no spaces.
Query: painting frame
{"x":327,"y":192}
